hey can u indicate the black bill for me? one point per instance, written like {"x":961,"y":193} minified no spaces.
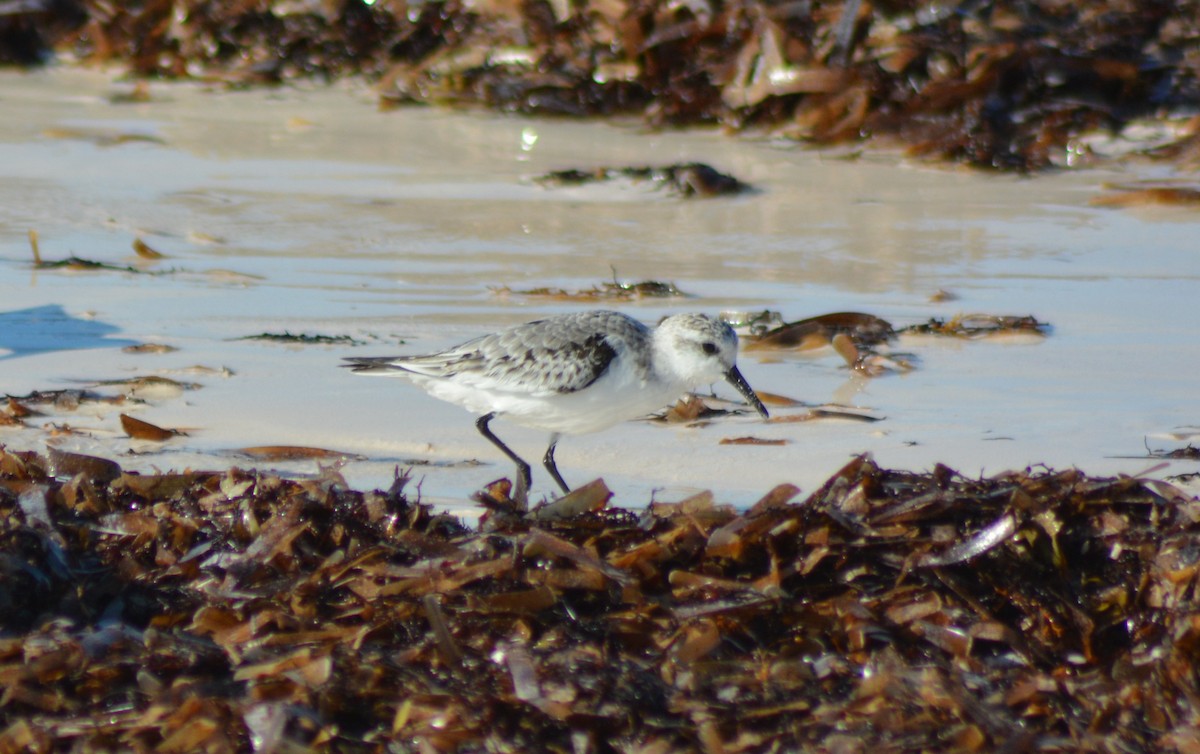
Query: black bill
{"x":737,"y":380}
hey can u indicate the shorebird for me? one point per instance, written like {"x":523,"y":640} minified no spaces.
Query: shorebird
{"x":573,"y":373}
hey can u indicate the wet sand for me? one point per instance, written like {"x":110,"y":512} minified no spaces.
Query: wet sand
{"x":306,"y":210}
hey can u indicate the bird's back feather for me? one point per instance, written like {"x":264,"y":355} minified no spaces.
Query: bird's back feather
{"x":560,"y":355}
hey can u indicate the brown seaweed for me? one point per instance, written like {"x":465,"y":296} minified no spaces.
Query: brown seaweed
{"x":1008,"y":86}
{"x":688,"y":180}
{"x":303,"y":339}
{"x":979,"y":325}
{"x":144,"y":251}
{"x":225,"y":611}
{"x":292,"y":453}
{"x":144,"y":430}
{"x":864,"y":330}
{"x":613,"y":290}
{"x":1141,"y":193}
{"x":149,"y":348}
{"x":747,"y":440}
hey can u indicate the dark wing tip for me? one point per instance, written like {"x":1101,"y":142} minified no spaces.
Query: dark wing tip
{"x":370,"y":364}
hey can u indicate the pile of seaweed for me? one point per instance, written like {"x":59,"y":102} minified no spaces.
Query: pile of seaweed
{"x":217,"y":611}
{"x":999,"y":84}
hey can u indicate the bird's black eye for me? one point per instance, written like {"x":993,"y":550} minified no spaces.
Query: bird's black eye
{"x":709,"y":348}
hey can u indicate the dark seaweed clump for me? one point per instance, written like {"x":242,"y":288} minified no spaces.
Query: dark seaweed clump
{"x":1004,"y":85}
{"x":238,"y":611}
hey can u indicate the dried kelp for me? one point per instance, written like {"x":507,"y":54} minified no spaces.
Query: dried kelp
{"x":1141,"y":193}
{"x":63,"y":400}
{"x":1187,"y":452}
{"x":999,"y":85}
{"x":75,"y":263}
{"x":607,"y":291}
{"x":13,"y":414}
{"x":866,"y":361}
{"x":238,"y":611}
{"x":691,"y":409}
{"x":293,"y":453}
{"x":980,"y":325}
{"x":748,"y":440}
{"x":756,"y":323}
{"x":144,"y":251}
{"x":853,"y":335}
{"x":149,"y":348}
{"x":101,"y":137}
{"x":144,"y":430}
{"x":692,"y":179}
{"x":865,"y":330}
{"x":304,"y":339}
{"x":858,"y":337}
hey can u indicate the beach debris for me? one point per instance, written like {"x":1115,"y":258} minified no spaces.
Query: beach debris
{"x":613,"y":290}
{"x":691,"y":408}
{"x":67,"y":399}
{"x":979,"y":326}
{"x":53,"y":404}
{"x":75,"y":263}
{"x":18,"y":409}
{"x":149,"y":387}
{"x":202,"y":369}
{"x":231,"y":277}
{"x":1188,"y":452}
{"x":824,"y":412}
{"x":13,"y":414}
{"x":587,"y":498}
{"x":144,"y":430}
{"x":757,"y":323}
{"x":72,"y":262}
{"x":753,"y":441}
{"x":1020,"y":87}
{"x":101,"y":137}
{"x":304,"y":339}
{"x":1142,"y":193}
{"x":863,"y":330}
{"x":143,"y":250}
{"x":137,"y":94}
{"x":774,"y":399}
{"x":867,"y":362}
{"x":149,"y":348}
{"x":688,"y":180}
{"x":1035,"y":609}
{"x":65,"y":465}
{"x":858,"y":337}
{"x":293,"y":453}
{"x":35,"y":247}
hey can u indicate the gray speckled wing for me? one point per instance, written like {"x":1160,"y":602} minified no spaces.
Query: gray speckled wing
{"x":556,"y":355}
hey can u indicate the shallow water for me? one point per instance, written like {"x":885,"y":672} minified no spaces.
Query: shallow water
{"x":308,"y":211}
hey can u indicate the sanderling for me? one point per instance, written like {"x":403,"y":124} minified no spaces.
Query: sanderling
{"x":574,"y":373}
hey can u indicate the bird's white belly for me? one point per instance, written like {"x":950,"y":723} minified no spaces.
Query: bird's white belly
{"x":616,"y":397}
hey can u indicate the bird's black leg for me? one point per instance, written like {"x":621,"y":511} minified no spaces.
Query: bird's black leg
{"x":524,"y":475}
{"x":548,"y":462}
